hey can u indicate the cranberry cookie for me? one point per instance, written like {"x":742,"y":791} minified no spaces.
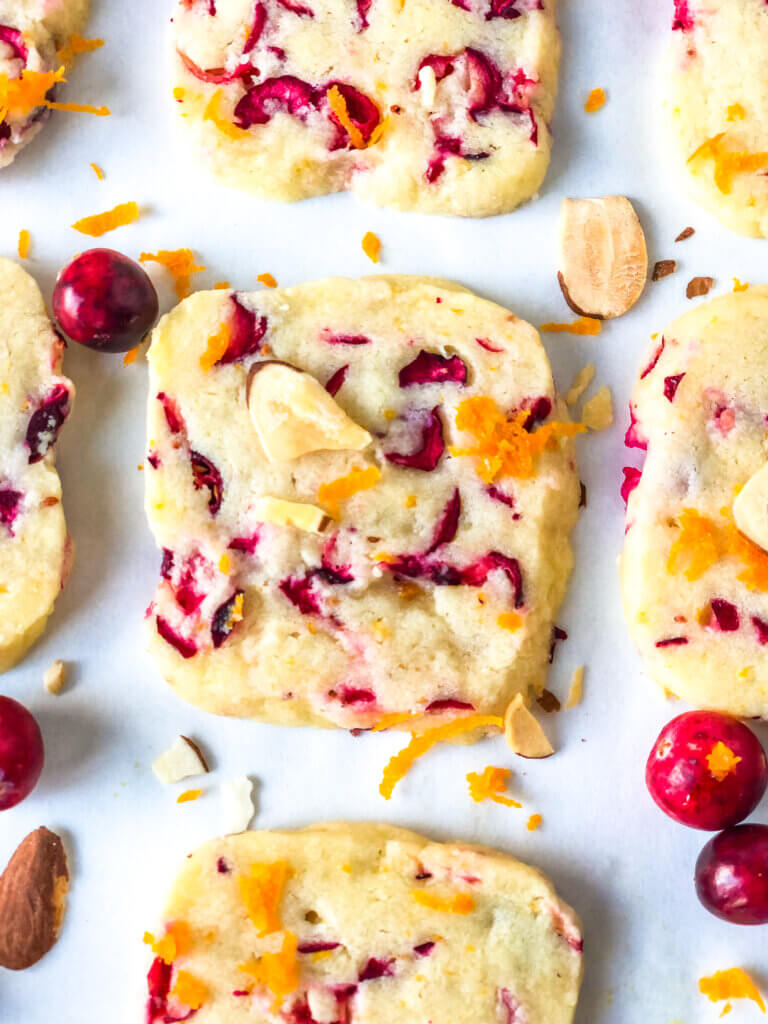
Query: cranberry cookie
{"x":437,"y":105}
{"x":362,"y":922}
{"x":364,"y":492}
{"x":35,"y":550}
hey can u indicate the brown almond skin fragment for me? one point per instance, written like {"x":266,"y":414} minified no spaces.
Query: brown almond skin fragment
{"x":198,"y":751}
{"x":663,"y":268}
{"x":33,"y":894}
{"x":548,"y":701}
{"x":685,"y":233}
{"x":567,"y":296}
{"x":699,"y":286}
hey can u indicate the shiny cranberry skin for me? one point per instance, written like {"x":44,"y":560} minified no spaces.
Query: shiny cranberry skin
{"x":21,"y":753}
{"x":732,"y":875}
{"x":681,"y":779}
{"x":104,"y":300}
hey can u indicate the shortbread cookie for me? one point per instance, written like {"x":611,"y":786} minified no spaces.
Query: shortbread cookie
{"x":329,"y":554}
{"x":35,"y":551}
{"x":717,"y":106}
{"x":31,"y":32}
{"x":432,"y":105}
{"x":364,"y":923}
{"x":695,"y":587}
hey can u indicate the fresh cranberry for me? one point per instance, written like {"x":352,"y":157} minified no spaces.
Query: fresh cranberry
{"x":104,"y":300}
{"x":21,"y":753}
{"x":732,"y":875}
{"x":707,"y":770}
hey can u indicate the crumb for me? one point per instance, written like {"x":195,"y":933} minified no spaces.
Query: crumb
{"x":55,"y":678}
{"x":663,"y":268}
{"x":699,"y":286}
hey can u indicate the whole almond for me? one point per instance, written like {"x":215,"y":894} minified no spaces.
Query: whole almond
{"x":33,"y":895}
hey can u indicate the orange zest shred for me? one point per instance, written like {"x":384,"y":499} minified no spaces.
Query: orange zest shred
{"x":584,"y":325}
{"x":276,"y":971}
{"x":490,"y":785}
{"x":175,"y":943}
{"x":213,"y":114}
{"x":595,"y":101}
{"x":224,"y":563}
{"x":189,"y":990}
{"x":734,"y":983}
{"x":338,"y":105}
{"x":80,"y":108}
{"x":740,"y":286}
{"x":735,"y":112}
{"x":333,"y":493}
{"x":131,"y":356}
{"x":221,"y":286}
{"x":261,"y":891}
{"x":398,"y":765}
{"x":396,"y":718}
{"x":98,"y":172}
{"x":268,"y":280}
{"x":533,"y":822}
{"x":236,"y":613}
{"x":25,"y":240}
{"x":217,"y":345}
{"x":100,"y":223}
{"x":30,"y":90}
{"x":76,"y":45}
{"x":180,"y":263}
{"x":371,"y":246}
{"x":461,"y":903}
{"x":188,"y":796}
{"x":702,"y":542}
{"x":504,"y":447}
{"x":722,"y":761}
{"x":728,"y":163}
{"x":510,"y":621}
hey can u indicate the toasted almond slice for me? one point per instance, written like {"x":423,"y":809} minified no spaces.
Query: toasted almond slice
{"x":300,"y":514}
{"x":55,"y":678}
{"x":293,"y":414}
{"x":750,"y":508}
{"x":237,"y":807}
{"x":182,"y":760}
{"x":523,"y":733}
{"x":603,"y":259}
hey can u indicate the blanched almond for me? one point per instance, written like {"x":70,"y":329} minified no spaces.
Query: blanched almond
{"x":603,"y":259}
{"x":300,"y":514}
{"x":293,"y":414}
{"x":237,"y":807}
{"x":750,"y":508}
{"x":182,"y":760}
{"x":523,"y":733}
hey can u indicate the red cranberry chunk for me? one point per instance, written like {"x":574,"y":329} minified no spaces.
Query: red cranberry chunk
{"x":558,"y":634}
{"x":316,"y":947}
{"x":10,"y":502}
{"x":424,"y":948}
{"x":672,"y":641}
{"x":257,"y":26}
{"x":283,"y":94}
{"x":46,"y":422}
{"x":377,"y":968}
{"x":732,"y":875}
{"x":363,"y":9}
{"x":355,"y":695}
{"x":300,"y":592}
{"x":656,"y":356}
{"x":14,"y":40}
{"x":158,"y":986}
{"x":296,"y":8}
{"x":449,"y":523}
{"x":631,"y":480}
{"x":205,"y":474}
{"x":336,"y":381}
{"x":683,"y":20}
{"x":186,"y":648}
{"x":761,"y":628}
{"x":476,"y":574}
{"x":432,"y":368}
{"x":725,"y":614}
{"x":246,"y":334}
{"x":345,"y":339}
{"x":215,"y":76}
{"x":222,"y":623}
{"x":431,"y":444}
{"x":633,"y":438}
{"x":173,"y":417}
{"x":449,"y":704}
{"x":671,"y":384}
{"x":361,"y":110}
{"x":707,"y":770}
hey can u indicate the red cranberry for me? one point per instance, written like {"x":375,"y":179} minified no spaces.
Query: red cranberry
{"x":707,"y":770}
{"x":21,"y":753}
{"x":104,"y":300}
{"x":732,"y":875}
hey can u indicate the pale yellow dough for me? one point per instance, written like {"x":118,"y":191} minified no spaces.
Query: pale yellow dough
{"x":514,"y":958}
{"x":35,"y":551}
{"x":380,"y":643}
{"x":703,"y":446}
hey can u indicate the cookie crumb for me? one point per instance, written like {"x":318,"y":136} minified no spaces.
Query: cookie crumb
{"x":237,"y":806}
{"x":55,"y":678}
{"x":597,"y":413}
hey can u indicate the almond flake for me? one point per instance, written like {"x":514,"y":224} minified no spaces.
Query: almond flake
{"x":181,"y":761}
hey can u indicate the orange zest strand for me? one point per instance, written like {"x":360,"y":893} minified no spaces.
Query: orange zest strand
{"x":188,"y":796}
{"x":461,"y":903}
{"x":189,"y":990}
{"x":213,"y":114}
{"x":97,"y":171}
{"x":276,"y":972}
{"x":396,"y":718}
{"x":175,"y":943}
{"x":721,"y":761}
{"x":734,"y":983}
{"x":398,"y":765}
{"x":533,"y":822}
{"x":595,"y":101}
{"x":702,"y":542}
{"x":80,"y":108}
{"x":490,"y":785}
{"x":267,"y":280}
{"x":76,"y":45}
{"x":332,"y":494}
{"x":510,"y":621}
{"x":371,"y":246}
{"x":735,"y":112}
{"x":180,"y":263}
{"x":740,"y":286}
{"x":100,"y":223}
{"x":25,"y":240}
{"x":261,"y":891}
{"x":30,"y":90}
{"x":221,"y":286}
{"x":728,"y":163}
{"x":338,"y":105}
{"x":503,"y":446}
{"x":131,"y":357}
{"x":584,"y":325}
{"x":217,"y":345}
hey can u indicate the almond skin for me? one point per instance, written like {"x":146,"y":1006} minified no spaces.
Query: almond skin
{"x":33,"y":895}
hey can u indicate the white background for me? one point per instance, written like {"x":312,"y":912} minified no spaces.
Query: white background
{"x":624,"y":866}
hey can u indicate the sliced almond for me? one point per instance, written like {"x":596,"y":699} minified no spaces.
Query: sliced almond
{"x":750,"y":508}
{"x":33,"y":897}
{"x":523,"y":733}
{"x":237,"y":807}
{"x":577,"y":688}
{"x":300,"y":514}
{"x":293,"y":414}
{"x":581,"y":382}
{"x":181,"y":761}
{"x":597,"y":413}
{"x":603,"y":260}
{"x":55,"y":678}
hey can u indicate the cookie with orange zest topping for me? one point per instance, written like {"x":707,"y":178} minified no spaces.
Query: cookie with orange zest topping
{"x":370,"y":916}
